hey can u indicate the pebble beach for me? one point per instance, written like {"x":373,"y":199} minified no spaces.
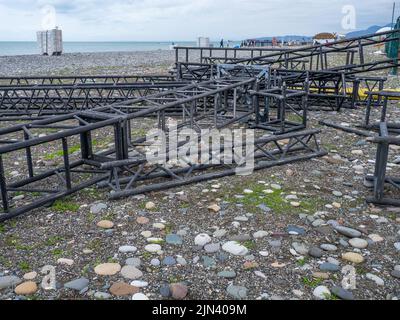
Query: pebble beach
{"x":88,"y":63}
{"x":284,"y":233}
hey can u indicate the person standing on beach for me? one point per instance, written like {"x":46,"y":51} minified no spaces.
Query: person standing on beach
{"x":222,"y":43}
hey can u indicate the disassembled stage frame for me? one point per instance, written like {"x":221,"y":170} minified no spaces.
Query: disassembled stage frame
{"x":268,"y":90}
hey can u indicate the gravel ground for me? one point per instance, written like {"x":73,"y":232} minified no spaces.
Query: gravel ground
{"x":285,"y":224}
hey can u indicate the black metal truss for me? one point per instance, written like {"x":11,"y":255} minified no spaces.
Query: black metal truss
{"x":316,"y":57}
{"x":380,"y":179}
{"x":380,"y":99}
{"x":26,"y":101}
{"x":71,"y":80}
{"x":195,"y":103}
{"x":136,"y":176}
{"x":280,"y":110}
{"x":350,"y":47}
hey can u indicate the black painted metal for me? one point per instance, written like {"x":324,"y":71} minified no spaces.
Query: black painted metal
{"x":380,"y":179}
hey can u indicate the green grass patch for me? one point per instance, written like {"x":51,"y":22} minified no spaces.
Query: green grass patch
{"x":71,"y":150}
{"x":57,"y":253}
{"x":15,"y":242}
{"x":24,"y":266}
{"x":147,"y":255}
{"x":112,"y":260}
{"x":313,"y":283}
{"x":361,"y":271}
{"x":251,"y":201}
{"x":302,"y":262}
{"x":294,"y":118}
{"x":5,"y":263}
{"x":331,"y":297}
{"x":168,"y":228}
{"x":275,"y":200}
{"x":65,"y":206}
{"x":52,"y":241}
{"x":249,"y":244}
{"x":157,"y":242}
{"x":174,"y":279}
{"x":95,"y":245}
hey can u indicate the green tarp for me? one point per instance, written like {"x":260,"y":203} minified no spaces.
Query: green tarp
{"x":392,"y":47}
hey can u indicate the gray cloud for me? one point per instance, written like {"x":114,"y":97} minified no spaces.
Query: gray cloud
{"x":185,"y":19}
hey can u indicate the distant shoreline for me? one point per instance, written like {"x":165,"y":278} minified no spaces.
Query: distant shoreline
{"x":22,"y":48}
{"x":86,"y":63}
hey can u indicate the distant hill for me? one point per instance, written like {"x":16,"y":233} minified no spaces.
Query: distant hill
{"x":353,"y":34}
{"x":286,"y":38}
{"x":370,"y":30}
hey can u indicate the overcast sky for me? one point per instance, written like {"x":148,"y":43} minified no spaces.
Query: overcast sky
{"x":178,"y":20}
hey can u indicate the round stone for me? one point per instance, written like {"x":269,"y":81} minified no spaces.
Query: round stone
{"x":260,"y":234}
{"x":379,"y":281}
{"x":214,"y":208}
{"x":102,"y":295}
{"x":330,"y":267}
{"x":235,"y":248}
{"x":153,"y":248}
{"x":337,"y":194}
{"x":375,"y":237}
{"x":139,"y":284}
{"x":212,"y":247}
{"x":173,"y":239}
{"x":140,"y":297}
{"x":142,"y":220}
{"x":181,"y":261}
{"x":68,"y":262}
{"x":315,"y":252}
{"x":358,"y":243}
{"x":300,"y":248}
{"x":30,"y":276}
{"x":165,"y":291}
{"x":321,"y":293}
{"x":202,"y":239}
{"x":98,"y":207}
{"x":320,"y":275}
{"x":127,"y":249}
{"x":155,"y":262}
{"x":131,"y":272}
{"x":348,"y":232}
{"x":179,"y":291}
{"x":105,"y":224}
{"x":328,"y":247}
{"x":159,"y":226}
{"x":342,"y":293}
{"x":121,"y":289}
{"x":169,"y":261}
{"x":77,"y":284}
{"x":276,"y":186}
{"x":227,"y":274}
{"x":268,"y":191}
{"x":150,"y":205}
{"x":353,"y":257}
{"x":107,"y":269}
{"x":237,"y":292}
{"x":146,"y":234}
{"x":294,"y":230}
{"x":26,"y":288}
{"x":395,"y":274}
{"x":220,"y":233}
{"x":264,"y":253}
